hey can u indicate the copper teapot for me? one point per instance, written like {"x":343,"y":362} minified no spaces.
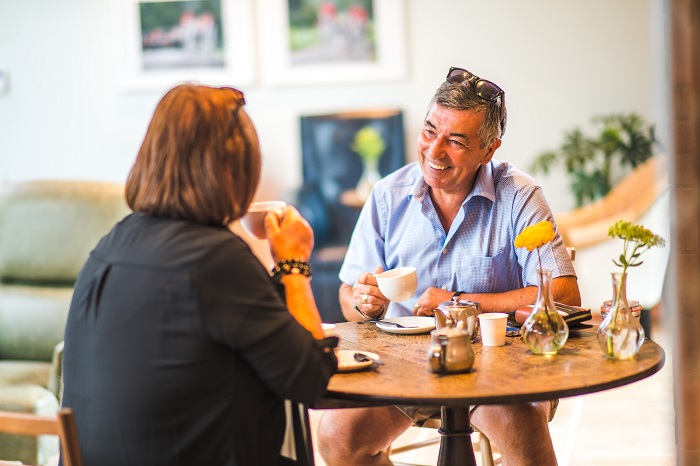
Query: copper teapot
{"x":450,"y":350}
{"x":452,"y":313}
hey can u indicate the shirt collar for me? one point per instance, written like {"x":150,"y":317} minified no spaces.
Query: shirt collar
{"x":484,"y":185}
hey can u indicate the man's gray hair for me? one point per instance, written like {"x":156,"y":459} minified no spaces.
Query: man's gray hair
{"x":461,"y":96}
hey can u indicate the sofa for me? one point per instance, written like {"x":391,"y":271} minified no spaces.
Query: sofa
{"x":47,"y":230}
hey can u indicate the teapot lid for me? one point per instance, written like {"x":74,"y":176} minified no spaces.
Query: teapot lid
{"x":457,"y":304}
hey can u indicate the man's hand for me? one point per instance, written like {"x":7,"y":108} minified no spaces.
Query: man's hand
{"x":430,"y":299}
{"x":367,"y":296}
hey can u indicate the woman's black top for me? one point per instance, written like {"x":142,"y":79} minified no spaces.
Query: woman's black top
{"x":179,"y":350}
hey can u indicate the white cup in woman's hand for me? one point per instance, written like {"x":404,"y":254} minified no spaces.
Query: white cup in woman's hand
{"x":254,"y":220}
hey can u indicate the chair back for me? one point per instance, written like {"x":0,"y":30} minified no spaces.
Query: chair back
{"x":62,"y":424}
{"x":48,"y":228}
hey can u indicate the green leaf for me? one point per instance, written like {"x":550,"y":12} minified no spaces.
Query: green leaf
{"x":543,"y":162}
{"x":618,"y":141}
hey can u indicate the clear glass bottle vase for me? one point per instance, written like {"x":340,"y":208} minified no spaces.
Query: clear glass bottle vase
{"x":620,"y":335}
{"x":544,"y":331}
{"x":369,"y":177}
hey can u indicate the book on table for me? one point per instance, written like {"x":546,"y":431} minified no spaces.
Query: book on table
{"x":573,"y":315}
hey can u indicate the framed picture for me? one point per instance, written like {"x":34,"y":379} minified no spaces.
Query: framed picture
{"x":330,"y":41}
{"x":163,"y":42}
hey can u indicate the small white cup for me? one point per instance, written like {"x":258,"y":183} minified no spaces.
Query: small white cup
{"x":254,"y":220}
{"x":493,"y":328}
{"x":328,"y":330}
{"x":398,"y":284}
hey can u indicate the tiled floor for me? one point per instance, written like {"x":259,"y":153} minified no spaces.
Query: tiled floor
{"x":627,"y":426}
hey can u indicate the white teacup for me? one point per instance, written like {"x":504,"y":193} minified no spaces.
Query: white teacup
{"x":493,"y":328}
{"x":398,"y":284}
{"x":254,"y":220}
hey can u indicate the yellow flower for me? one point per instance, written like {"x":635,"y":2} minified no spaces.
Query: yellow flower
{"x":535,"y":236}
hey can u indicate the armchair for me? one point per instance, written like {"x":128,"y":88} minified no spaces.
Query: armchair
{"x":331,"y":168}
{"x":47,"y":230}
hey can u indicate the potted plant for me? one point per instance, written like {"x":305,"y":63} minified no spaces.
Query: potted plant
{"x":595,"y":163}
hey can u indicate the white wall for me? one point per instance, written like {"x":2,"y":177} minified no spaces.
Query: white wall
{"x":560,"y":62}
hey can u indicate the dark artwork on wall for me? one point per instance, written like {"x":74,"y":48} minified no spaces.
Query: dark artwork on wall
{"x":330,"y":168}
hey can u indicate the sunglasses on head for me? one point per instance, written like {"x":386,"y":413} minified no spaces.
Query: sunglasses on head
{"x":240,"y":98}
{"x":484,"y":88}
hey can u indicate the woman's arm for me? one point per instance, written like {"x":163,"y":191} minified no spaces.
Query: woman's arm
{"x":291,"y":238}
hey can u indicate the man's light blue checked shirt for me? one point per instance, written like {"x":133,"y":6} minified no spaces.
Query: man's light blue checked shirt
{"x":398,"y":226}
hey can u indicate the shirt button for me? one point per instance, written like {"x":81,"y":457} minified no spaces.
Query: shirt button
{"x":444,"y":251}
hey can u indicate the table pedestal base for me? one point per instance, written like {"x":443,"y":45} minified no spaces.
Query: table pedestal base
{"x":455,"y":441}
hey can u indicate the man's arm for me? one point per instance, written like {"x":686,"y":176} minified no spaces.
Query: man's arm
{"x":347,"y":303}
{"x":564,"y":289}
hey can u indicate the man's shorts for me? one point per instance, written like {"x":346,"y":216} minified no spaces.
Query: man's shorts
{"x":420,"y":414}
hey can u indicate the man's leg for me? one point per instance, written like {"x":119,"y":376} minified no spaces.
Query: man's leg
{"x":359,"y":436}
{"x":519,"y":431}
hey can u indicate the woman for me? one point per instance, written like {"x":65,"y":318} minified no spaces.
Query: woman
{"x":179,"y":346}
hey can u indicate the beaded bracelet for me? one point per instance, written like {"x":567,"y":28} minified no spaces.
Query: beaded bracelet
{"x":290,"y":266}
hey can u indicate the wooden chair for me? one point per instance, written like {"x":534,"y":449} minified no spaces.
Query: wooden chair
{"x":628,"y":200}
{"x":63,"y":425}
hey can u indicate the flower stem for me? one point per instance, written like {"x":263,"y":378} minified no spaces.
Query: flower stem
{"x":615,"y":310}
{"x":544,"y":298}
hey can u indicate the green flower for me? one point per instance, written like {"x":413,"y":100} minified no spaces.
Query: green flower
{"x":368,"y":143}
{"x":636,"y":237}
{"x":637,"y":240}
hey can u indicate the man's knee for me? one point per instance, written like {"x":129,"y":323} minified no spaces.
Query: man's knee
{"x":353,"y":433}
{"x":498,"y":420}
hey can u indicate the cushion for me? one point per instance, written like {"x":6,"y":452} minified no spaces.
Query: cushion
{"x":48,"y":228}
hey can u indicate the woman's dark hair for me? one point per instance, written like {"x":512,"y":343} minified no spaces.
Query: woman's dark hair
{"x":200,"y":158}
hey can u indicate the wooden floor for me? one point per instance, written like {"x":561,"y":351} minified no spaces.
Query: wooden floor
{"x":627,"y":426}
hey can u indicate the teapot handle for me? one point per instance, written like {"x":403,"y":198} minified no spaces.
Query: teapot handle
{"x":439,"y":355}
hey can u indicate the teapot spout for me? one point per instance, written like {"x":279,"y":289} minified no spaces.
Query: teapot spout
{"x":440,"y":319}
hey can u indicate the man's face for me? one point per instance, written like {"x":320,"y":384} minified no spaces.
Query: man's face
{"x":449,"y":149}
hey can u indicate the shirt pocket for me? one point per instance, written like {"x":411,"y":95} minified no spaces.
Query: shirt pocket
{"x":487,"y":274}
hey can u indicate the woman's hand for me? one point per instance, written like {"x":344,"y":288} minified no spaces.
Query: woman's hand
{"x":290,"y":236}
{"x":367,"y":296}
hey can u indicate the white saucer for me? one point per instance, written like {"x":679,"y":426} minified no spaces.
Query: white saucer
{"x":421,"y":324}
{"x":348,"y":363}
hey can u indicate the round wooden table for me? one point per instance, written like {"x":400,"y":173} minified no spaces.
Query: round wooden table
{"x":500,"y":375}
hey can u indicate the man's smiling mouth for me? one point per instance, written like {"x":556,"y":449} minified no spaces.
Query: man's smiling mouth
{"x":436,"y":166}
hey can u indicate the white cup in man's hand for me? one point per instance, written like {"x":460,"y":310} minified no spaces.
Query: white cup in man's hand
{"x":254,"y":220}
{"x":398,"y":284}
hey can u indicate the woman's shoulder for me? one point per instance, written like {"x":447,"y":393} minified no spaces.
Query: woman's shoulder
{"x":159,"y":241}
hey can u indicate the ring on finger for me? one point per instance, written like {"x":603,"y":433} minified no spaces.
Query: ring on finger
{"x":364,"y":297}
{"x":416,"y":306}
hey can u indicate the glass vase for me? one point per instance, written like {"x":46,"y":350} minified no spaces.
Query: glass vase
{"x":620,"y":335}
{"x":544,"y":331}
{"x":370,"y":176}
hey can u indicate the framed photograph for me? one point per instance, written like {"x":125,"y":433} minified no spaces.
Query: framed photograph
{"x":162,"y":42}
{"x":330,"y":41}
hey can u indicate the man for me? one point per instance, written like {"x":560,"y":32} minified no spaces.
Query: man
{"x":454,"y":216}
